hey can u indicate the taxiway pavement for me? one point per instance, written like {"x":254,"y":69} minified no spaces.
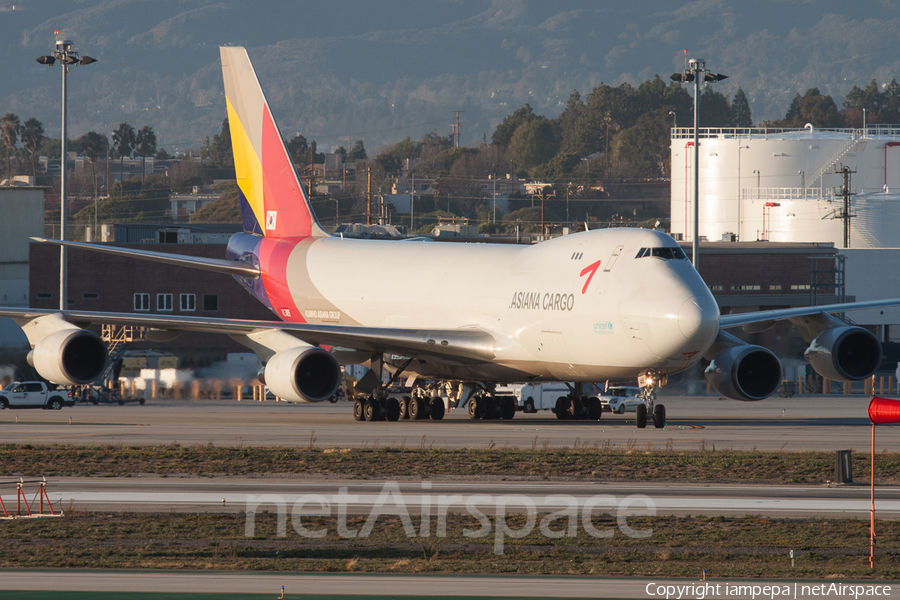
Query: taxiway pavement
{"x":802,"y":423}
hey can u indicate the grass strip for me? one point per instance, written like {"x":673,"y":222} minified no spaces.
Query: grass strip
{"x":581,"y":462}
{"x":747,"y":547}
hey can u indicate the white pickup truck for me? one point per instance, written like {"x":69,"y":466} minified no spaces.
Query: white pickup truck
{"x":34,"y":394}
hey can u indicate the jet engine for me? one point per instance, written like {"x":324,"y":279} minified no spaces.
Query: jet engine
{"x":745,"y":372}
{"x":69,"y":357}
{"x":302,"y":374}
{"x":844,"y":354}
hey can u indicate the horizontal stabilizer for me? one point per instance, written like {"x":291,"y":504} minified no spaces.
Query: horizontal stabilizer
{"x":219,"y":265}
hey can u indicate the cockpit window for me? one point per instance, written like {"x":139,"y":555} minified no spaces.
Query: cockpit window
{"x":665,"y":253}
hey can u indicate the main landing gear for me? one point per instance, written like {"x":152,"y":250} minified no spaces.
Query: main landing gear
{"x":378,"y":406}
{"x":649,"y":408}
{"x":576,"y":406}
{"x":486,"y":405}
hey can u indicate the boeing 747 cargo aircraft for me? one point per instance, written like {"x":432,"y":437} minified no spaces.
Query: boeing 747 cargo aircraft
{"x":606,"y":305}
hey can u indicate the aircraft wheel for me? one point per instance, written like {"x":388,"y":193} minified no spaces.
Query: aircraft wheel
{"x":562,"y":408}
{"x":358,"y":410}
{"x":370,"y":411}
{"x":594,"y":408}
{"x":529,"y":406}
{"x":415,"y":409}
{"x":404,"y":407}
{"x":640,"y":416}
{"x":392,"y":409}
{"x":575,"y":408}
{"x":659,"y":416}
{"x":437,"y":408}
{"x":509,"y":409}
{"x":472,"y":407}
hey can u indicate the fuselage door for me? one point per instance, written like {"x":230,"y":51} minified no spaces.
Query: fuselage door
{"x":612,"y":259}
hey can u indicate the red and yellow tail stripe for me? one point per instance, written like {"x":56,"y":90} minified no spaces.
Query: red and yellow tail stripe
{"x":273,"y":201}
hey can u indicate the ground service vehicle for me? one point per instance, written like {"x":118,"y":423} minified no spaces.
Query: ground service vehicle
{"x":34,"y":394}
{"x":620,"y":399}
{"x":552,"y":396}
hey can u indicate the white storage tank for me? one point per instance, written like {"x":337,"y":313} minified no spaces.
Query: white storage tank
{"x":780,"y":185}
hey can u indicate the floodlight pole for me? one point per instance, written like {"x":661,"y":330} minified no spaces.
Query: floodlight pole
{"x":696,"y":67}
{"x":66,"y":56}
{"x":696,"y":72}
{"x":63,"y":196}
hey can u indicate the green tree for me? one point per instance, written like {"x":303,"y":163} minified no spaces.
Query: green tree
{"x":220,"y":152}
{"x":93,"y":145}
{"x":357,"y":153}
{"x":32,"y":134}
{"x":123,"y":141}
{"x":813,"y":108}
{"x":504,"y":132}
{"x":533,"y":143}
{"x":298,"y":148}
{"x":9,"y":130}
{"x":740,"y":110}
{"x":145,"y":145}
{"x":714,"y":109}
{"x":642,"y":151}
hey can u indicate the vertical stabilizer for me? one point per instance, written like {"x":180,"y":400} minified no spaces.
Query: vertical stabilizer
{"x":273,"y":203}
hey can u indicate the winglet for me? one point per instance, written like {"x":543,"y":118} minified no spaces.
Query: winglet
{"x":273,"y":202}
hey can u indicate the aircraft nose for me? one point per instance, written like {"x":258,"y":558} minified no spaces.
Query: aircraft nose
{"x":697,"y":318}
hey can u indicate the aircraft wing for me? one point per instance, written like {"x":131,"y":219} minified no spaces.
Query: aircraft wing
{"x":465,"y":345}
{"x":767,"y":317}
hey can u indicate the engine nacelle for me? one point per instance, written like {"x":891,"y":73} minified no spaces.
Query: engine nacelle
{"x":745,"y":372}
{"x":844,"y":354}
{"x":70,"y":357}
{"x":302,"y":374}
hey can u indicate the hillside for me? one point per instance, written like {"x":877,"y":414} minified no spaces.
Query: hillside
{"x":382,"y":71}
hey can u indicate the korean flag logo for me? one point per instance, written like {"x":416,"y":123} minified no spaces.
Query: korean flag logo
{"x":271,"y":217}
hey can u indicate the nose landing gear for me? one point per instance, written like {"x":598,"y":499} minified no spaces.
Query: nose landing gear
{"x":649,"y":382}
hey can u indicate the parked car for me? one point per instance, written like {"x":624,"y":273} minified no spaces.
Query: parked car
{"x":621,"y":399}
{"x":34,"y":394}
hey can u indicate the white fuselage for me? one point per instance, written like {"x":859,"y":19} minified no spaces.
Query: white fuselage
{"x":555,"y":313}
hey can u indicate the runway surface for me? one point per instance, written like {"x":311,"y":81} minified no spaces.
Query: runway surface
{"x":240,"y":494}
{"x":823,"y":423}
{"x":366,"y":586}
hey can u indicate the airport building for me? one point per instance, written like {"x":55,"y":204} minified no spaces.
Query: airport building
{"x":22,"y":207}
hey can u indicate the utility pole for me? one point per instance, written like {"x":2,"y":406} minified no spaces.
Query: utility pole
{"x":456,"y":128}
{"x":412,"y":205}
{"x":845,"y":214}
{"x":543,"y":196}
{"x":368,"y":195}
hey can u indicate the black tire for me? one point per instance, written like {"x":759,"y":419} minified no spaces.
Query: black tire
{"x":562,"y":408}
{"x":620,"y":410}
{"x":404,"y":407}
{"x":640,"y":416}
{"x":141,"y":401}
{"x":4,"y":403}
{"x":487,"y":408}
{"x":416,"y":409}
{"x":594,"y":408}
{"x":529,"y":406}
{"x":392,"y":409}
{"x":659,"y":416}
{"x":358,"y":410}
{"x":94,"y":400}
{"x":437,"y":408}
{"x":55,"y":404}
{"x":472,"y":408}
{"x":370,"y":410}
{"x":575,"y":408}
{"x":508,"y":408}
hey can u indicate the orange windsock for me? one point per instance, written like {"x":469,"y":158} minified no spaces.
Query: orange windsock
{"x":884,"y":410}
